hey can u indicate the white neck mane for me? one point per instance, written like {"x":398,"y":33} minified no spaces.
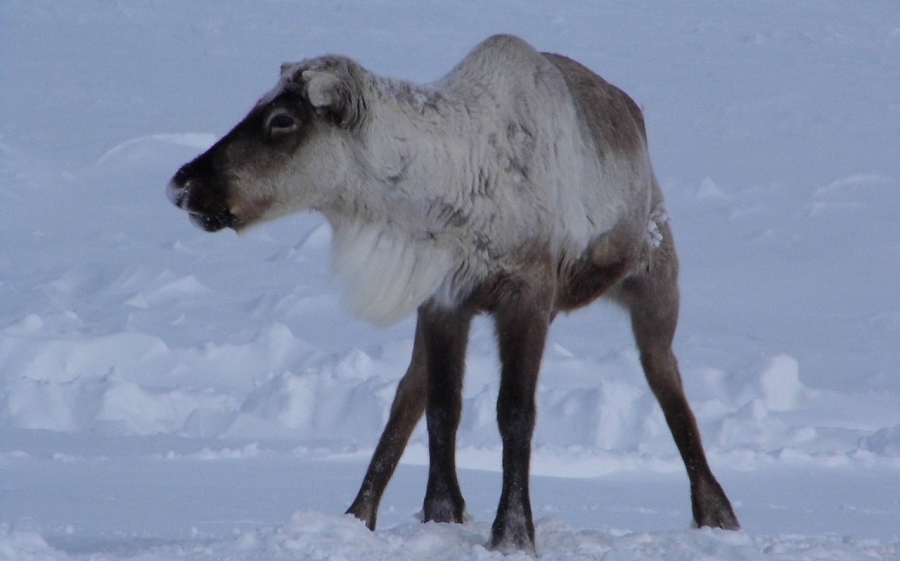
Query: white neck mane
{"x":450,"y":182}
{"x":392,"y":248}
{"x":384,"y":276}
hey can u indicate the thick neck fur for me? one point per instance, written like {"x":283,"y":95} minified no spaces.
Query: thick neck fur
{"x":454,"y":181}
{"x":400,"y":233}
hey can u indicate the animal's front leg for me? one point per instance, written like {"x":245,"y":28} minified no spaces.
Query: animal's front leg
{"x":407,"y":409}
{"x":521,"y":333}
{"x":445,"y":335}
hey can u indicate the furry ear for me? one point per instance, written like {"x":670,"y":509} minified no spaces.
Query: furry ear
{"x":335,"y":95}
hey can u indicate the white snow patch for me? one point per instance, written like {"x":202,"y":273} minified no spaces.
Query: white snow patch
{"x":130,"y":148}
{"x":708,"y":189}
{"x":780,"y":381}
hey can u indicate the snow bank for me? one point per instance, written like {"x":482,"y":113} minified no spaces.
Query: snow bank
{"x":313,"y":536}
{"x":136,"y":384}
{"x":165,"y":351}
{"x":884,"y":442}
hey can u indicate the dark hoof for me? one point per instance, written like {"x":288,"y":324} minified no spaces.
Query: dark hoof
{"x":444,"y":510}
{"x":443,"y":503}
{"x":723,"y":518}
{"x":712,"y":508}
{"x":510,"y":538}
{"x":365,"y":513}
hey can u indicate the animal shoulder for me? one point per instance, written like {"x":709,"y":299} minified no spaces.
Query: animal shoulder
{"x":503,"y":61}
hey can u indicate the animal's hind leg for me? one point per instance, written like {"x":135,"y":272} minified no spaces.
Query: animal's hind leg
{"x":652,"y":298}
{"x":406,"y":410}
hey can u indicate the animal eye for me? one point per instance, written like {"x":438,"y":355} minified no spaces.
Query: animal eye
{"x":281,"y":122}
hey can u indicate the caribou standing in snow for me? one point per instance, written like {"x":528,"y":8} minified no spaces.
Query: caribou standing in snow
{"x":517,"y":185}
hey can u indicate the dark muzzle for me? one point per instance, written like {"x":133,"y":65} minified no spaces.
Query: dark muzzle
{"x":194,"y":189}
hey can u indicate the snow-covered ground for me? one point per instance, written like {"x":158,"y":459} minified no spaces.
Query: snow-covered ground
{"x":167,"y":393}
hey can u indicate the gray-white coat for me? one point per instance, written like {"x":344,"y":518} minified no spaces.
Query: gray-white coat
{"x":519,"y":184}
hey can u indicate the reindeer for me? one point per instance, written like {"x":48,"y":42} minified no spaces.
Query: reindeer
{"x":518,"y":185}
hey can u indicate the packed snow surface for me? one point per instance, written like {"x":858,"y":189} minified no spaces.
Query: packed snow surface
{"x":171,"y":394}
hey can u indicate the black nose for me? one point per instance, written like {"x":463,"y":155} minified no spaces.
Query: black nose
{"x":176,"y":190}
{"x":181,"y":185}
{"x":181,"y":176}
{"x":188,"y":183}
{"x":201,"y":196}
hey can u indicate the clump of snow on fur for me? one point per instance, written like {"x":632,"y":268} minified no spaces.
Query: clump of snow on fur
{"x":658,"y":217}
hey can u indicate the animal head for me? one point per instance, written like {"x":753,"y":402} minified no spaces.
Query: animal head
{"x":293,"y":151}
